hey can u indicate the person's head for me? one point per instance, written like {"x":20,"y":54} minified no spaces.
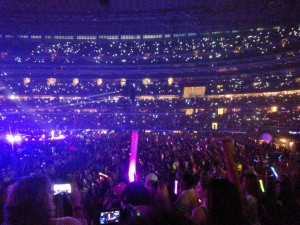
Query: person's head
{"x":151,"y":182}
{"x":224,"y":204}
{"x":29,"y":201}
{"x":188,"y":181}
{"x":135,"y":194}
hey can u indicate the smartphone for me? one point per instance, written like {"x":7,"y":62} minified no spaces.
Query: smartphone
{"x":62,"y":188}
{"x":111,"y":216}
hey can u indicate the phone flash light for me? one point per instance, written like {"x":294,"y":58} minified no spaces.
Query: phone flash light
{"x":175,"y":188}
{"x":261,"y":186}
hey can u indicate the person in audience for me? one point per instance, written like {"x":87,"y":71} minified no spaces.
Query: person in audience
{"x":253,"y":196}
{"x":273,"y":211}
{"x":30,"y":202}
{"x":135,"y":199}
{"x":94,"y":152}
{"x":224,"y":206}
{"x":286,"y":198}
{"x":199,"y":213}
{"x":151,"y":184}
{"x":188,"y":199}
{"x":161,"y":197}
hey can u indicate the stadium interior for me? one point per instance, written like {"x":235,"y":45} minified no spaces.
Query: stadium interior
{"x":78,"y":78}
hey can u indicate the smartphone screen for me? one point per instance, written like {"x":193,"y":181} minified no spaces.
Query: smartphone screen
{"x":61,"y":188}
{"x":107,"y":217}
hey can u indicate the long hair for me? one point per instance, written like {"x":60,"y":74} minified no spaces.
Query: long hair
{"x":224,"y":204}
{"x":161,"y":197}
{"x":29,"y":202}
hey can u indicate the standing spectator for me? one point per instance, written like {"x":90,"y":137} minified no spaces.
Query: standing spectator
{"x":151,"y":185}
{"x":188,"y":199}
{"x":161,"y":197}
{"x":30,"y":202}
{"x":253,"y":196}
{"x":224,"y":205}
{"x":199,"y":214}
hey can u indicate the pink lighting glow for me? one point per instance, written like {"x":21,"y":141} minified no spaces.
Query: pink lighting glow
{"x":133,"y":155}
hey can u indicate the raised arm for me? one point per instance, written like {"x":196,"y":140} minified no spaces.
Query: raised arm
{"x":75,"y":201}
{"x":228,"y":148}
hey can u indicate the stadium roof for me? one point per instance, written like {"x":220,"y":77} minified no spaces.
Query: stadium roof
{"x":146,"y":16}
{"x":93,"y":7}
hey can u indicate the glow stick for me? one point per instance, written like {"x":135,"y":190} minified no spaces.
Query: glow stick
{"x":261,"y":186}
{"x":176,"y":187}
{"x":274,"y":171}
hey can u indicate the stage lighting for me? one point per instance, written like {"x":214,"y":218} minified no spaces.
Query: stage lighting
{"x":17,"y":138}
{"x":11,"y":138}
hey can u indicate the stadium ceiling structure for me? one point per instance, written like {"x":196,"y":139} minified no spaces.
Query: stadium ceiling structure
{"x":92,"y":7}
{"x":35,"y":21}
{"x":135,"y":16}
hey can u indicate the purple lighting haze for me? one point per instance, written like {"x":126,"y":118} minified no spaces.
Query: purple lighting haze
{"x":132,"y":163}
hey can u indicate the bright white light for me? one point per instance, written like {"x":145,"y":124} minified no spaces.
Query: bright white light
{"x":52,"y":134}
{"x":59,"y":137}
{"x":17,"y":138}
{"x":176,"y":187}
{"x":10,"y":138}
{"x":12,"y":97}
